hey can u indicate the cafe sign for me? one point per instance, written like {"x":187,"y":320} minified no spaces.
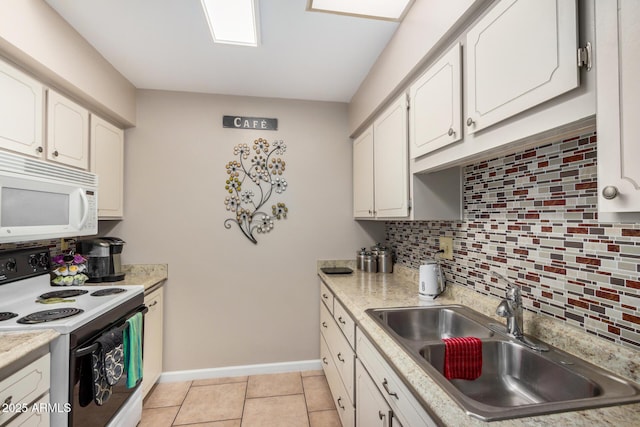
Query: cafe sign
{"x":255,"y":123}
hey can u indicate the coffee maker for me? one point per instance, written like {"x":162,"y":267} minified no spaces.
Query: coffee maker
{"x":103,"y":255}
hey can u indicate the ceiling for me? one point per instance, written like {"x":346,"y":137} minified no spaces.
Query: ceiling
{"x":166,"y":45}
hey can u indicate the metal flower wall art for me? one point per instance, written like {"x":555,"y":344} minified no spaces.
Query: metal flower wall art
{"x":252,"y":179}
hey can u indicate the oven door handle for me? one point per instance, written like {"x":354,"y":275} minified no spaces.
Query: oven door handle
{"x":93,"y":347}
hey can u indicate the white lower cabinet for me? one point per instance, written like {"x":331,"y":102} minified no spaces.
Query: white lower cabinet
{"x":24,"y":388}
{"x":371,"y":408}
{"x":405,"y":407}
{"x":152,"y":350}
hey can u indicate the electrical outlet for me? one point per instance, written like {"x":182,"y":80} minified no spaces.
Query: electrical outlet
{"x":446,"y":245}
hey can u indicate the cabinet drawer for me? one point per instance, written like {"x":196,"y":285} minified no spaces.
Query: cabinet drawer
{"x":340,"y":350}
{"x":25,"y":386}
{"x":33,"y":418}
{"x":344,"y":322}
{"x":344,"y":404}
{"x":326,"y":296}
{"x":406,"y":408}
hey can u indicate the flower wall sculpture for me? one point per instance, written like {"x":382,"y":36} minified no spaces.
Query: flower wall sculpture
{"x":251,"y":181}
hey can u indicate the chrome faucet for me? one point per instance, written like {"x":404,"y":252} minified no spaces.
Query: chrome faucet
{"x":511,"y":308}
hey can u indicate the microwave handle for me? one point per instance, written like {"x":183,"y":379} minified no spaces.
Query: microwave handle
{"x":85,"y":207}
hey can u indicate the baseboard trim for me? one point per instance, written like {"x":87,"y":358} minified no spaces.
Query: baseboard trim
{"x":236,"y":371}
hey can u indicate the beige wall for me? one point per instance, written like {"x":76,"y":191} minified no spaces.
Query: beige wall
{"x":417,"y":39}
{"x":34,"y":36}
{"x":230,"y":302}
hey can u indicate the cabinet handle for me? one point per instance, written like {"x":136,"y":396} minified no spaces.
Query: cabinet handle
{"x":39,"y":150}
{"x":8,"y":400}
{"x":324,"y":324}
{"x":341,"y":320}
{"x":385,"y":384}
{"x":381,"y":415}
{"x":451,"y":132}
{"x":340,"y":404}
{"x":153,"y":304}
{"x":324,"y":360}
{"x":340,"y":358}
{"x":370,"y":212}
{"x":325,"y":296}
{"x":610,"y":192}
{"x":470,"y":121}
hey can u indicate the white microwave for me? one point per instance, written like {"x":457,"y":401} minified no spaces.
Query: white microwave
{"x":40,"y":200}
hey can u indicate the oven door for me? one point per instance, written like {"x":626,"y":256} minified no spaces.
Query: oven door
{"x":84,"y":410}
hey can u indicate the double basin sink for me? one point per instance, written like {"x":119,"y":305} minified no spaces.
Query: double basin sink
{"x":516,"y":381}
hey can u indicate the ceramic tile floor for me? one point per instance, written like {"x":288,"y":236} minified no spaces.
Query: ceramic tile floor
{"x":275,"y":400}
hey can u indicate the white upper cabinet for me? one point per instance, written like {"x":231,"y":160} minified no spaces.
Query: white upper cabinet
{"x":520,"y":54}
{"x":436,"y":105}
{"x":618,"y":104}
{"x":107,"y":161}
{"x":67,"y":131}
{"x":390,"y":161}
{"x":21,"y":112}
{"x":363,"y":175}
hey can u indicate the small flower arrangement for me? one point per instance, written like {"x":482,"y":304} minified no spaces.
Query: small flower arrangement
{"x":70,"y":269}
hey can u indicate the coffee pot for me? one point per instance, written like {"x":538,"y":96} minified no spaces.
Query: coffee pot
{"x":432,"y":280}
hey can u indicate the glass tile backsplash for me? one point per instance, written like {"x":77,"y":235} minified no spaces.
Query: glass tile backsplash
{"x":532,"y":216}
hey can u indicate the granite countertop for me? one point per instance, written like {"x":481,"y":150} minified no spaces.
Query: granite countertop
{"x":151,"y":276}
{"x":16,"y":345}
{"x":360,"y":291}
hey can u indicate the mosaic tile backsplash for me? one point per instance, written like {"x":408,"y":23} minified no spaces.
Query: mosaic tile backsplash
{"x":532,"y":216}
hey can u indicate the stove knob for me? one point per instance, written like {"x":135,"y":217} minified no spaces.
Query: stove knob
{"x":11,"y":265}
{"x":33,"y":261}
{"x":43,"y":261}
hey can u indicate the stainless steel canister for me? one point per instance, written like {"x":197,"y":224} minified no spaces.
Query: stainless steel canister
{"x":385,"y":261}
{"x":370,"y":263}
{"x":360,"y":257}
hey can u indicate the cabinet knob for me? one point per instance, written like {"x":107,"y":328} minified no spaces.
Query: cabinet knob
{"x":39,"y":149}
{"x":470,"y":121}
{"x":451,"y":132}
{"x":610,"y":192}
{"x":55,"y":153}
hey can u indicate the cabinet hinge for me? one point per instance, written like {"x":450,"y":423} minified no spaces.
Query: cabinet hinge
{"x":584,"y":56}
{"x":409,"y":204}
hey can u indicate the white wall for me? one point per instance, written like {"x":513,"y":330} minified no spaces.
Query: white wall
{"x":230,"y":302}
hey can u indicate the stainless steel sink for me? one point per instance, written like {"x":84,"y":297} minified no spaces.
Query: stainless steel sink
{"x":516,"y":381}
{"x":418,"y":324}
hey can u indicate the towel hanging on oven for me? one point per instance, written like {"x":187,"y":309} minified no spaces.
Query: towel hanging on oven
{"x":107,"y":364}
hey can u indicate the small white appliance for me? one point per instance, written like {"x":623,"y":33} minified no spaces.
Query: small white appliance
{"x":40,"y":200}
{"x":432,"y":280}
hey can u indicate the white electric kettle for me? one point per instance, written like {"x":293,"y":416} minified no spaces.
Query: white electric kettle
{"x":432,"y":281}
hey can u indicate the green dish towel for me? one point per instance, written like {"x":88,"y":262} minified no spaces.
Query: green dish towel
{"x":133,"y":350}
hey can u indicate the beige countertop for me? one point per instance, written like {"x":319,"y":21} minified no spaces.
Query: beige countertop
{"x":360,"y":291}
{"x":18,"y":344}
{"x":151,"y":276}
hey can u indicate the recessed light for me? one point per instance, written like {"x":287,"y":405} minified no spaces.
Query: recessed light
{"x":392,"y":10}
{"x":232,"y":21}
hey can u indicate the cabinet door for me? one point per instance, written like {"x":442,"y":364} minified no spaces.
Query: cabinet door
{"x":153,"y":326}
{"x":363,"y":175}
{"x":519,"y":55}
{"x":107,"y":161}
{"x":67,"y":131}
{"x":435,"y":111}
{"x":371,"y":408}
{"x":618,"y":89}
{"x":21,"y":112}
{"x":391,"y":181}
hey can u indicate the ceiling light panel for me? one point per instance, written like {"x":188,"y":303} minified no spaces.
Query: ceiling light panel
{"x":233,"y":21}
{"x":393,"y":10}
